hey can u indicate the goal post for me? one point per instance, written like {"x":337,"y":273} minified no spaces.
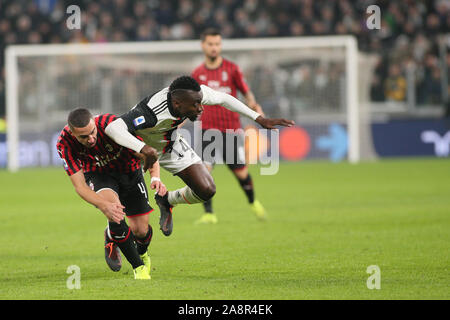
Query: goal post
{"x":43,"y":82}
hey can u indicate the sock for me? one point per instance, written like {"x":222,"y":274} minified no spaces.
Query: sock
{"x":247,"y":186}
{"x":143,"y":243}
{"x":122,"y":236}
{"x":183,"y":195}
{"x":208,"y":206}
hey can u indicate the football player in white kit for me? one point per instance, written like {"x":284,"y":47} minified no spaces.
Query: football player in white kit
{"x":155,"y":119}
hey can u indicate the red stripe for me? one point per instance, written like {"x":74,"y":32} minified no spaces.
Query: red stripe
{"x":101,"y":120}
{"x":123,"y":240}
{"x":185,"y":198}
{"x":140,"y":214}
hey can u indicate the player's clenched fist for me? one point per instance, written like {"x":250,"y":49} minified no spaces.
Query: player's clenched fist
{"x":150,"y":156}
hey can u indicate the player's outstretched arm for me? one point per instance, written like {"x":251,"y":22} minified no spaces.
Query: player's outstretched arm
{"x":251,"y":102}
{"x":269,"y":123}
{"x":113,"y":211}
{"x":211,"y":96}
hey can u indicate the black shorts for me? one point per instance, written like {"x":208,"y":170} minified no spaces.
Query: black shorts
{"x":231,"y":149}
{"x":130,"y":188}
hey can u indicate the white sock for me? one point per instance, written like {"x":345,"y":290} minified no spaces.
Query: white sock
{"x":183,"y":195}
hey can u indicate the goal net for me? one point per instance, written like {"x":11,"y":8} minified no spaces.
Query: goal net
{"x":312,"y":80}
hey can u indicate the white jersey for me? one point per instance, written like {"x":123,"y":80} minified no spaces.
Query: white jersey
{"x":154,"y":121}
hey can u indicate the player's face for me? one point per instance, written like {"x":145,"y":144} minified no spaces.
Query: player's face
{"x":87,"y":136}
{"x":191,"y":105}
{"x":212,"y":46}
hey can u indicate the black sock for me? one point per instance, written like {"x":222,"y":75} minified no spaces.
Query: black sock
{"x":143,"y":243}
{"x":123,"y":237}
{"x":208,"y":206}
{"x":247,"y":186}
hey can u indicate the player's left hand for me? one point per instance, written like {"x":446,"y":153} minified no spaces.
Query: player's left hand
{"x":157,"y":185}
{"x":271,"y":123}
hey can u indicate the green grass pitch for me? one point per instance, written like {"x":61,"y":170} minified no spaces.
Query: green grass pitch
{"x":327,"y":223}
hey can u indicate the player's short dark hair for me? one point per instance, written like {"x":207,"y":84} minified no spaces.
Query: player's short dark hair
{"x":79,"y":118}
{"x":209,"y":32}
{"x":184,"y":83}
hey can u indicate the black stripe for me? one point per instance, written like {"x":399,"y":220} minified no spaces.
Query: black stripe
{"x":99,"y":119}
{"x":160,"y":106}
{"x":68,"y":161}
{"x":156,"y":107}
{"x":67,"y":141}
{"x":161,"y":110}
{"x":108,"y":119}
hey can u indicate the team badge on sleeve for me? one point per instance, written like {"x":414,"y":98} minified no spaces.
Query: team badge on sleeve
{"x":138,"y":121}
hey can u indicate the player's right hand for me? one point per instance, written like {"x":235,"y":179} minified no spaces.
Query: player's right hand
{"x":113,"y":211}
{"x":150,"y":156}
{"x":271,"y":123}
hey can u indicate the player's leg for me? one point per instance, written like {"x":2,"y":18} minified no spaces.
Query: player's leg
{"x":208,"y":161}
{"x":143,"y":233}
{"x":199,"y":187}
{"x":245,"y":181}
{"x":120,"y":233}
{"x":235,"y":144}
{"x":104,"y":186}
{"x":185,"y":163}
{"x":209,"y":217}
{"x":207,"y":205}
{"x":134,"y":197}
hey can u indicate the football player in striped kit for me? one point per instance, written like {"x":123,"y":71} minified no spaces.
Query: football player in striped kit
{"x":155,"y":120}
{"x":109,"y":176}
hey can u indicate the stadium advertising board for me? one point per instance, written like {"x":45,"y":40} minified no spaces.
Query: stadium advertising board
{"x":399,"y":138}
{"x":396,"y":138}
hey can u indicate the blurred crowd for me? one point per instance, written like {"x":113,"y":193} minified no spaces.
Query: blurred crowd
{"x":406,"y":44}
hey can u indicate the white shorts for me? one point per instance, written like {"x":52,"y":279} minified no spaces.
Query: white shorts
{"x":179,"y":157}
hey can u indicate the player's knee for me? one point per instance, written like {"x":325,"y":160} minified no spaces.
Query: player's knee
{"x":139,"y":231}
{"x":208,"y":191}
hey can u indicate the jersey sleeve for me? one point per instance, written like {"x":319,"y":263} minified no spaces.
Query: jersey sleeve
{"x":70,"y":162}
{"x":140,"y":117}
{"x":239,"y":81}
{"x":213,"y":97}
{"x":105,"y":119}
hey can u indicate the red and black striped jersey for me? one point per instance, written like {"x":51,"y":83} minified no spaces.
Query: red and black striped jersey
{"x":227,"y":78}
{"x":105,"y":156}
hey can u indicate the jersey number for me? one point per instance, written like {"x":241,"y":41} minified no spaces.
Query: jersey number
{"x":141,"y":187}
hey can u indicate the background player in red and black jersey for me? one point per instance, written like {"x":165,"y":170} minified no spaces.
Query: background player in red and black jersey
{"x":223,"y":75}
{"x":109,"y":177}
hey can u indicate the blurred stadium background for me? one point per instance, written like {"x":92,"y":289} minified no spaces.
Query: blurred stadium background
{"x":403,"y":77}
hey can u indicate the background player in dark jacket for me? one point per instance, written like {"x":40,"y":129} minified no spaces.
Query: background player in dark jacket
{"x":109,"y":177}
{"x":225,"y":76}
